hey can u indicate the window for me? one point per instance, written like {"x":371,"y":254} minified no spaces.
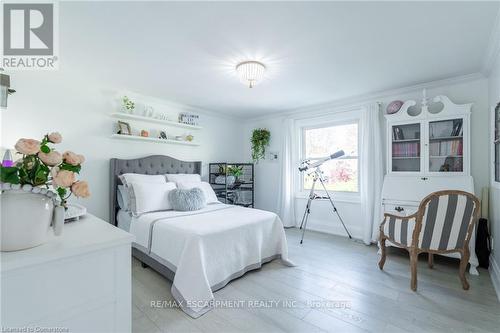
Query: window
{"x":319,"y":142}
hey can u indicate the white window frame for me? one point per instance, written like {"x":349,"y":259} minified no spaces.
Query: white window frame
{"x":335,"y":119}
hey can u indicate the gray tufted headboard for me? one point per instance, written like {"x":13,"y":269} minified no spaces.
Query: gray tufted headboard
{"x":149,"y":165}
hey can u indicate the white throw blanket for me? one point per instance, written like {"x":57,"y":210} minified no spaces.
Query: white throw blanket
{"x":208,"y":248}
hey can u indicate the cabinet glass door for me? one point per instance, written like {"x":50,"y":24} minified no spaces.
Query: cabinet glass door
{"x":406,"y":148}
{"x":446,"y":146}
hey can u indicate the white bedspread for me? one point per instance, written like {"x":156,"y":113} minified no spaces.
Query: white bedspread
{"x":208,"y":248}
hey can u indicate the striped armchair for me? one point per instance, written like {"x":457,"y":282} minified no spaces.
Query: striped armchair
{"x":443,"y":223}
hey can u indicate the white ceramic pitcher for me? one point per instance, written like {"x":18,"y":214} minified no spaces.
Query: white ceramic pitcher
{"x":26,"y":219}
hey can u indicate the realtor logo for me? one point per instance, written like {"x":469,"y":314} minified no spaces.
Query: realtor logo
{"x":29,"y":36}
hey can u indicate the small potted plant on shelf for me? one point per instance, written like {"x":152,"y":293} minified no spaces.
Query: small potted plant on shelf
{"x":128,"y":105}
{"x":236,"y":172}
{"x":34,"y":191}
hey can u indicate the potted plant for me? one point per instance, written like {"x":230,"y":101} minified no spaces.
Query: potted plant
{"x":35,"y":190}
{"x":260,"y":140}
{"x":234,"y":171}
{"x":128,"y":105}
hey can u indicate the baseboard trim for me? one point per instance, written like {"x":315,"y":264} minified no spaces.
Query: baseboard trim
{"x":495,"y":275}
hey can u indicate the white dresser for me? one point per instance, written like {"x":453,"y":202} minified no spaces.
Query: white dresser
{"x":78,"y":282}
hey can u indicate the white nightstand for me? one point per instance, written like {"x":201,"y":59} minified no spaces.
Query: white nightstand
{"x":80,"y":280}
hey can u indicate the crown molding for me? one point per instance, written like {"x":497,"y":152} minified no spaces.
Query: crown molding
{"x":493,"y":50}
{"x":362,"y":99}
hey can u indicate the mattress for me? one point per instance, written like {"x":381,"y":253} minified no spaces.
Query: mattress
{"x":124,"y":219}
{"x":209,"y":247}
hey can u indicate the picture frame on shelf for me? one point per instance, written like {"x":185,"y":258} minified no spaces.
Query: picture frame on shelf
{"x":124,"y":128}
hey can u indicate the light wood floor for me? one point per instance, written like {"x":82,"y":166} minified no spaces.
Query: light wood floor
{"x":334,"y":269}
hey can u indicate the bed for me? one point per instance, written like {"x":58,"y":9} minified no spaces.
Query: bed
{"x":199,"y":251}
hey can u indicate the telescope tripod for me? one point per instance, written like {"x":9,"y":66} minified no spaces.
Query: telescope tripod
{"x":318,"y":175}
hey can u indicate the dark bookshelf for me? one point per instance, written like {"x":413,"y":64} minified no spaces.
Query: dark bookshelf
{"x":229,"y":189}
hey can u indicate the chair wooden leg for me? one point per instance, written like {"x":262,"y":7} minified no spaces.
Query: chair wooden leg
{"x":383,"y":253}
{"x":463,"y":266}
{"x":413,"y":268}
{"x":431,"y":260}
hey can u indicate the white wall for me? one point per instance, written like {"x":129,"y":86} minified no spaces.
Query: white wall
{"x":322,"y":219}
{"x":494,"y":98}
{"x":78,"y":106}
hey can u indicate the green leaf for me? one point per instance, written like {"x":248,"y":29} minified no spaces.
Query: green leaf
{"x":41,"y":175}
{"x":9,"y":175}
{"x":45,"y":149}
{"x":69,"y":167}
{"x":62,"y":192}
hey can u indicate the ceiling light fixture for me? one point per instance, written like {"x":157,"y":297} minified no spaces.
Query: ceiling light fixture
{"x":250,"y":72}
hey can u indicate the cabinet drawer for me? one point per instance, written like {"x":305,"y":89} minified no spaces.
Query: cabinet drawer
{"x":51,"y":289}
{"x":398,"y":209}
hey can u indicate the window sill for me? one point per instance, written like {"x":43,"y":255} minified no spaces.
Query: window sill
{"x":337,"y":197}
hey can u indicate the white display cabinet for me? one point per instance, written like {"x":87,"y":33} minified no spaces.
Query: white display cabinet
{"x":428,"y":150}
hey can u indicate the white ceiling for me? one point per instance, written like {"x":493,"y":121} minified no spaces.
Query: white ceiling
{"x":315,"y":52}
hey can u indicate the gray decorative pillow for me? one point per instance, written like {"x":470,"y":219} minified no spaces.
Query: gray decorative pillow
{"x":187,"y":200}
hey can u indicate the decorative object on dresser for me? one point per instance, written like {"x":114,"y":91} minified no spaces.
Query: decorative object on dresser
{"x":80,"y":281}
{"x":144,"y":133}
{"x":233,"y":182}
{"x":443,"y":223}
{"x":30,"y":188}
{"x":427,"y":152}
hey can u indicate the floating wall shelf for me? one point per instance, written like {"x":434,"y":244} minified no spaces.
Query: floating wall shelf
{"x":127,"y":116}
{"x":154,"y":140}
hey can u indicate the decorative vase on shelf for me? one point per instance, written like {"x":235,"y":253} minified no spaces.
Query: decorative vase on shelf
{"x":26,"y":219}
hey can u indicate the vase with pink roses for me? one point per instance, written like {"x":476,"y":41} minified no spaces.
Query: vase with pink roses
{"x":35,"y":190}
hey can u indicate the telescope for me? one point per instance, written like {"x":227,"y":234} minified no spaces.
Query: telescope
{"x":308,"y":166}
{"x":317,"y":175}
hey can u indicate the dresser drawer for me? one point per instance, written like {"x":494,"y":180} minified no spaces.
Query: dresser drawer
{"x":51,"y":289}
{"x":399,"y":209}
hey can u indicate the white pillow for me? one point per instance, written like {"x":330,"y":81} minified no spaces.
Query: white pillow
{"x":123,"y":197}
{"x":204,"y":186}
{"x":149,"y":197}
{"x":128,"y":178}
{"x":183,"y":177}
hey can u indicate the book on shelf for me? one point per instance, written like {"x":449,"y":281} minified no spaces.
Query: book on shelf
{"x":406,"y":149}
{"x":447,"y":148}
{"x":457,"y":129}
{"x":397,"y":133}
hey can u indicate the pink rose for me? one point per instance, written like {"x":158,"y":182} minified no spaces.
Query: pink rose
{"x":55,"y":137}
{"x":72,"y":158}
{"x":63,"y":178}
{"x":51,"y":159}
{"x":80,"y":189}
{"x":27,"y":146}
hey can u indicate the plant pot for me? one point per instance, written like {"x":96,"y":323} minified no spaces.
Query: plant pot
{"x":26,"y":218}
